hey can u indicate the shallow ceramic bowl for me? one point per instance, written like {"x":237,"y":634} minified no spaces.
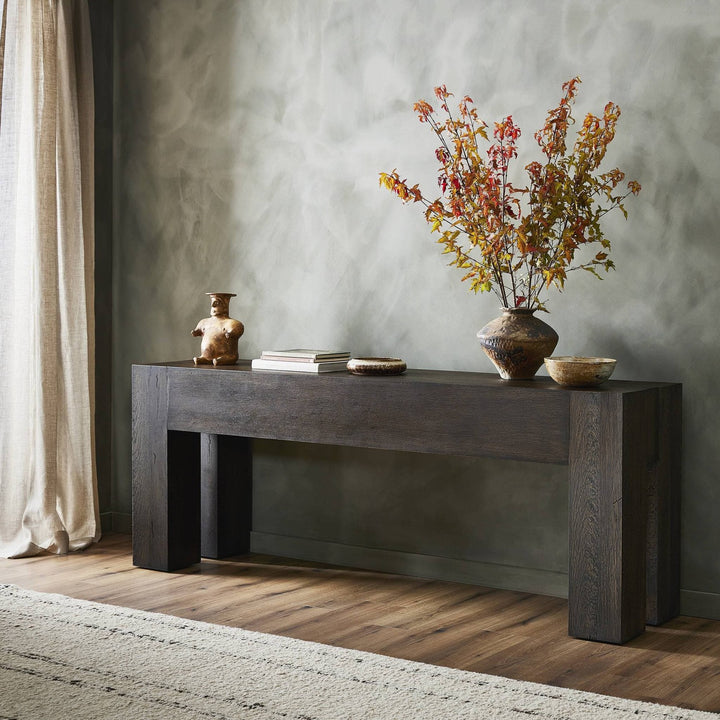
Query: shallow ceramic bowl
{"x":376,"y":366}
{"x":576,"y":371}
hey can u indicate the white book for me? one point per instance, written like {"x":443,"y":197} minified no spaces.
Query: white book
{"x":306,"y":367}
{"x":301,"y":355}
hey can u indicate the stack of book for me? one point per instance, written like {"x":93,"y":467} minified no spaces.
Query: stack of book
{"x":309,"y":361}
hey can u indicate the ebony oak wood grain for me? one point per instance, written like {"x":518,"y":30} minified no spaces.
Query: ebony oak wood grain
{"x":149,"y":467}
{"x":226,"y":495}
{"x":613,"y":441}
{"x":620,"y":440}
{"x":663,"y":570}
{"x":420,"y":411}
{"x":165,"y":479}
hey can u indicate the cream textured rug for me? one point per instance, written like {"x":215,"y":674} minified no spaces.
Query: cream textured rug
{"x":63,"y":658}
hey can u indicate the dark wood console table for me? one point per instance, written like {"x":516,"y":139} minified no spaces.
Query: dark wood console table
{"x":192,"y":463}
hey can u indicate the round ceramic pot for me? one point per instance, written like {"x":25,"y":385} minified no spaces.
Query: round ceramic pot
{"x":517,"y":343}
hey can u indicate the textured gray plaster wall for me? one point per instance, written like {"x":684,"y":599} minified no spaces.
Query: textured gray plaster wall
{"x":249,"y":136}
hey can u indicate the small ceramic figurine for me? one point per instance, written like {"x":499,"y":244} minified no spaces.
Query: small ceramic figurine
{"x":220,"y":333}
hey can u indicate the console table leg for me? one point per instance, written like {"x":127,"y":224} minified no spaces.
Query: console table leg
{"x":610,"y":443}
{"x":226,"y":495}
{"x":165,"y":475}
{"x":663,"y":551}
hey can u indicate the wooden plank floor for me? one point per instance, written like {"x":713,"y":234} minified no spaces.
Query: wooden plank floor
{"x":512,"y":634}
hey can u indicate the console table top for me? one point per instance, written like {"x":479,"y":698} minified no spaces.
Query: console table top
{"x":192,"y":431}
{"x":540,"y":383}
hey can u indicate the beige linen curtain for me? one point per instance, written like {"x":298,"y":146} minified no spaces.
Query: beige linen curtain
{"x":48,"y":492}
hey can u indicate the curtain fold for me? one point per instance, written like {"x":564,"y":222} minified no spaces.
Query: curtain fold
{"x":48,"y":488}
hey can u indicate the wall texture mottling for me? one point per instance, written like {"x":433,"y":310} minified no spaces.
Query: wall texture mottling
{"x":249,"y":139}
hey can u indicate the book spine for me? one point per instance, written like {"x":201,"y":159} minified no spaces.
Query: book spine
{"x":286,"y":358}
{"x":304,"y":356}
{"x":290,"y":366}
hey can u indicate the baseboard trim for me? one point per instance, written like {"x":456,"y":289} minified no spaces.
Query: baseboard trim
{"x":543,"y":582}
{"x":106,"y":522}
{"x":116,"y":522}
{"x":507,"y":577}
{"x":700,"y":604}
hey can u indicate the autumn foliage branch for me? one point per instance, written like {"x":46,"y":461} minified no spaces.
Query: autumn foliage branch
{"x":519,"y":241}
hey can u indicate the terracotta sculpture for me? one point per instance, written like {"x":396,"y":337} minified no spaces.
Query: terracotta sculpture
{"x":220,"y":333}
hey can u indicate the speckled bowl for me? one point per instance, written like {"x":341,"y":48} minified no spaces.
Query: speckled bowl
{"x":376,"y":366}
{"x":574,"y":371}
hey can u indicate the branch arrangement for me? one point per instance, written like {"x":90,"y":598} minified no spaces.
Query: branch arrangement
{"x":514,"y":241}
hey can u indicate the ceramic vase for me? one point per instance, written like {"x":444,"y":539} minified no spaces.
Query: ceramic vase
{"x":517,"y":342}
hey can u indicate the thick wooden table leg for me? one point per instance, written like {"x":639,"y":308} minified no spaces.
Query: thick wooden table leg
{"x":663,"y":550}
{"x":611,"y":445}
{"x":165,"y":479}
{"x":226,"y":495}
